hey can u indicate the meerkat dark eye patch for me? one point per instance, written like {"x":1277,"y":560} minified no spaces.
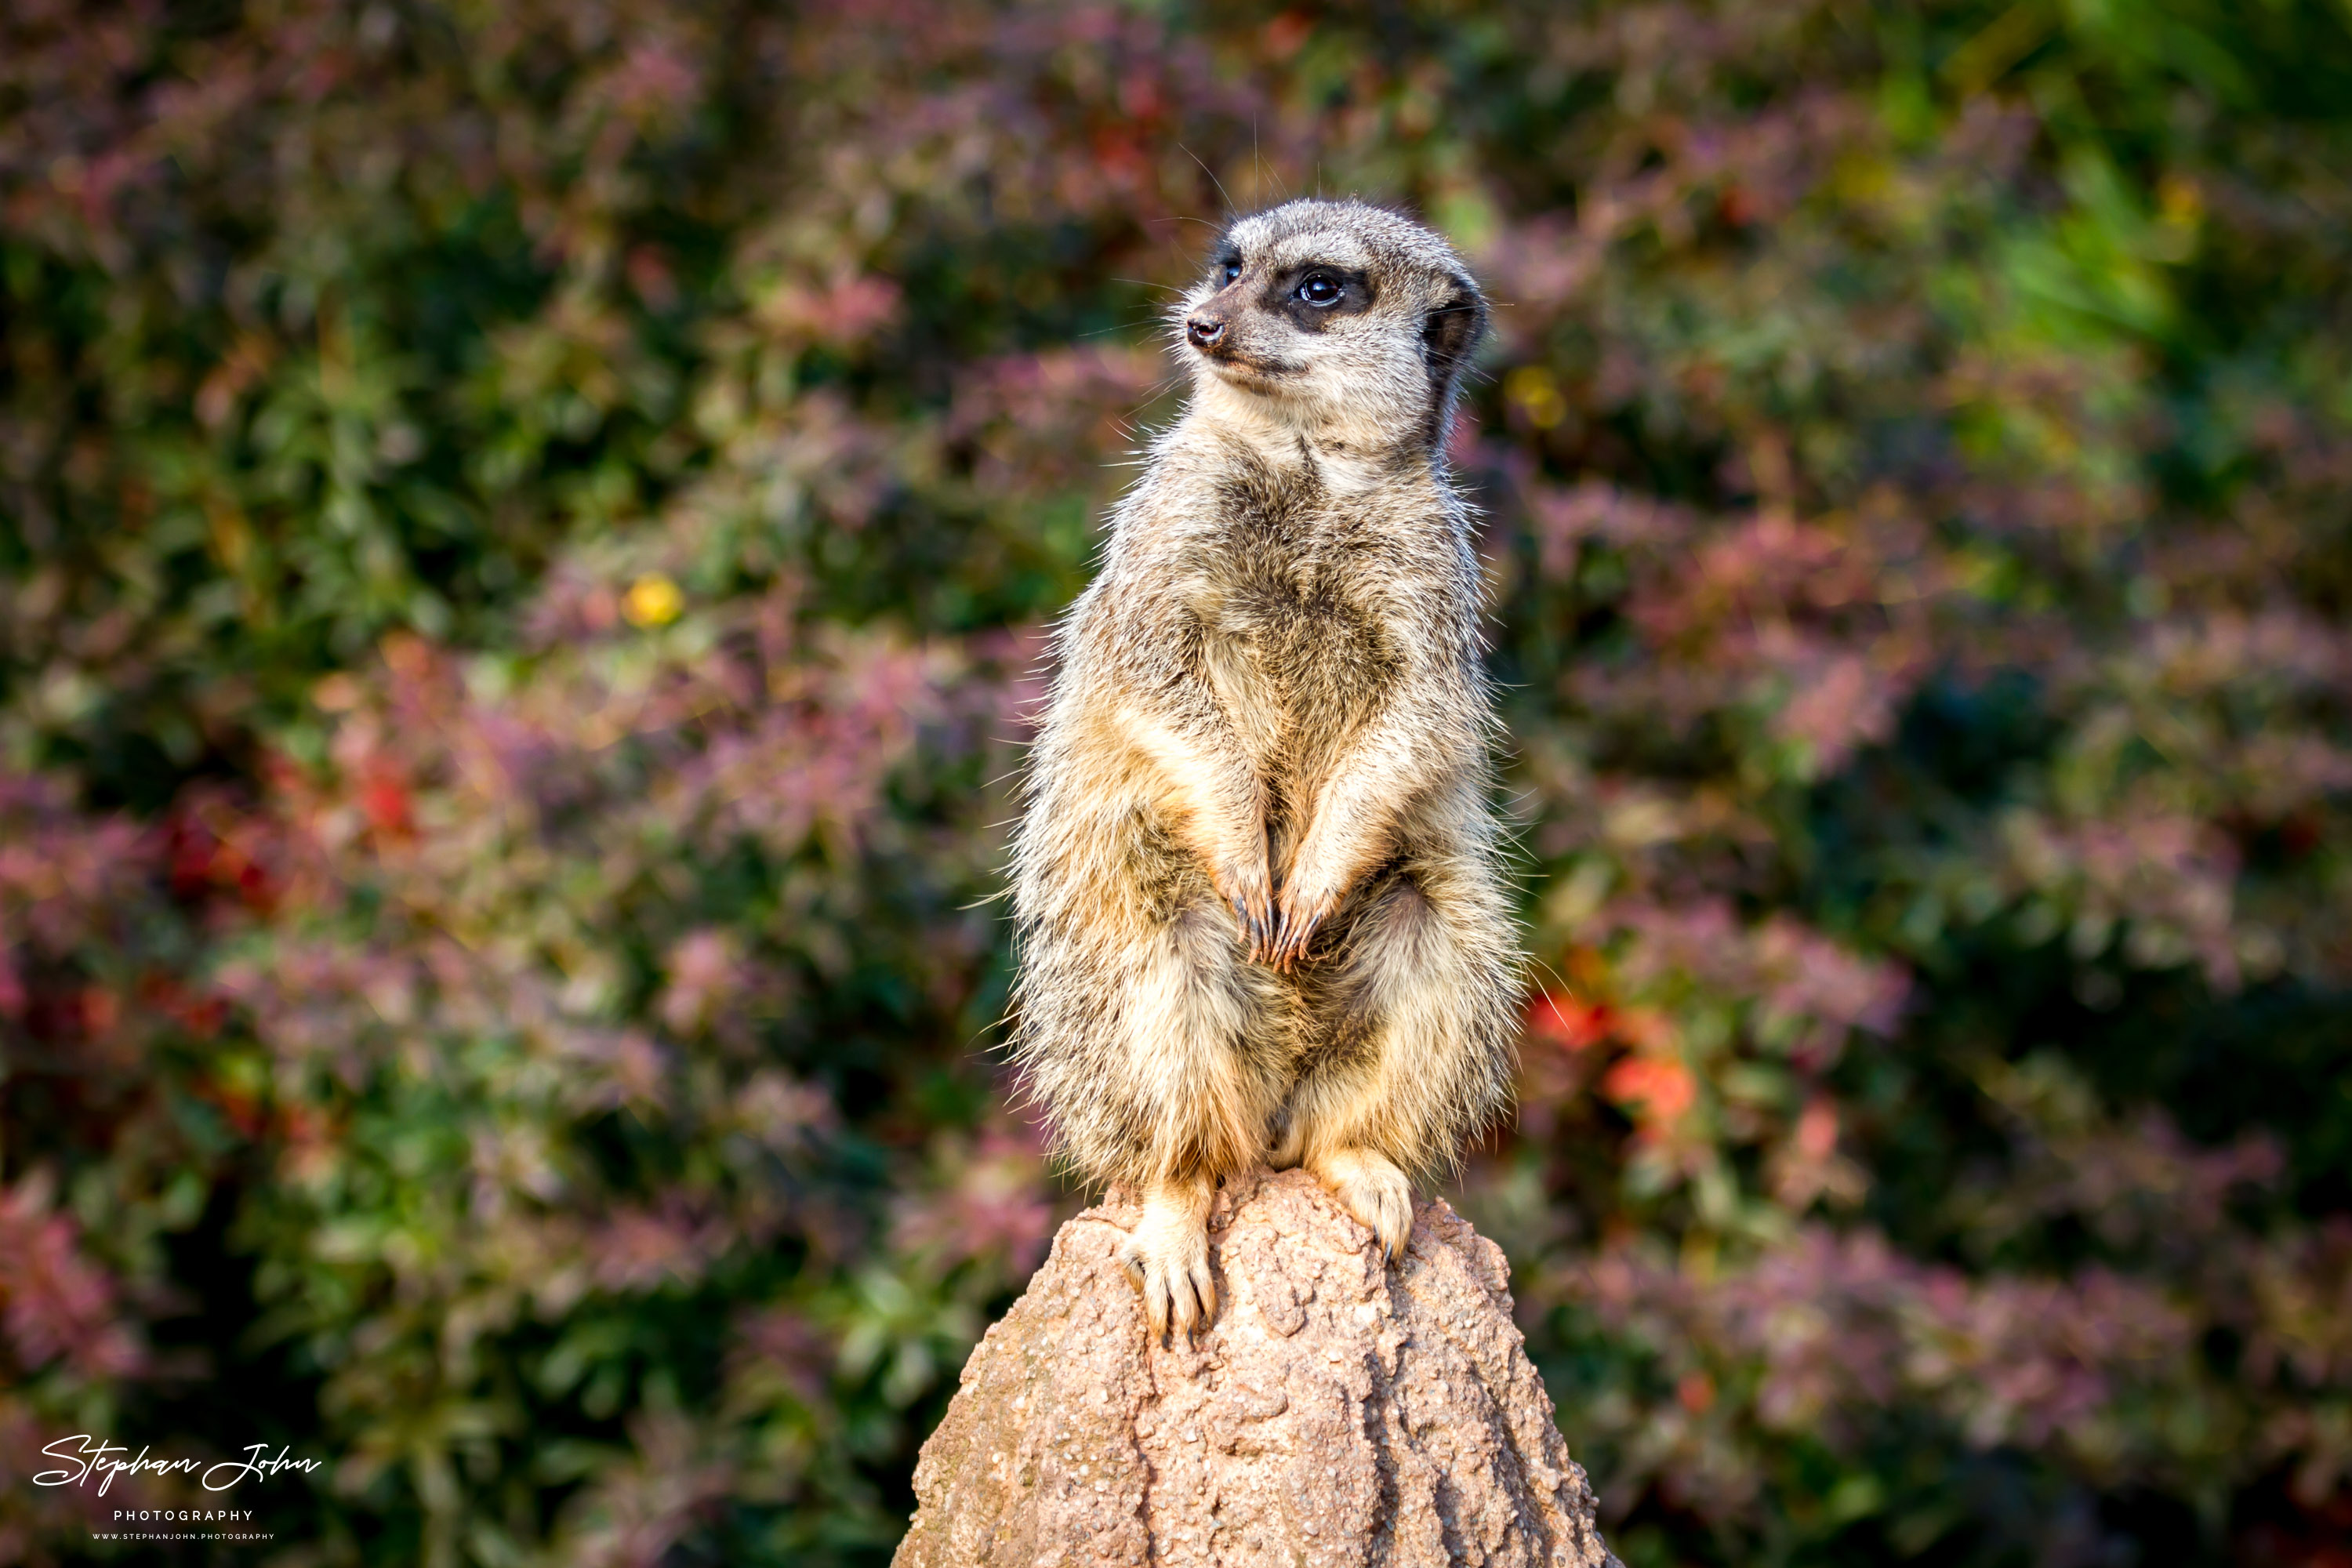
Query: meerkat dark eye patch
{"x":1313,"y":294}
{"x":1228,"y":265}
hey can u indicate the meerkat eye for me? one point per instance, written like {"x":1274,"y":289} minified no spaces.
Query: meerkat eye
{"x":1230,"y":267}
{"x":1319,"y":289}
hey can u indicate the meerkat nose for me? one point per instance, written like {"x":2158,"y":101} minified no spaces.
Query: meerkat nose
{"x":1205,"y":331}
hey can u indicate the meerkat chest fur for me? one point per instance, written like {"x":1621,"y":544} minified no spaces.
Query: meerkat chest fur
{"x":1296,"y":590}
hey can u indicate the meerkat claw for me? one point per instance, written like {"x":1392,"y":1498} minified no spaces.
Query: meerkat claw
{"x":1371,"y":1188}
{"x":1178,"y":1295}
{"x":1255,"y":917}
{"x":1166,"y":1256}
{"x":1294,"y":931}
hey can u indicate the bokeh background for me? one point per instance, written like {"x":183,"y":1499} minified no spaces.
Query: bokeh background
{"x":524,"y":532}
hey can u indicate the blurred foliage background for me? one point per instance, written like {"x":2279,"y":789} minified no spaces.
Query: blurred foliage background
{"x":524,"y":528}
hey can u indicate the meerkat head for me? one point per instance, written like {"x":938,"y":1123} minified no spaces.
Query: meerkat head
{"x":1337,"y":318}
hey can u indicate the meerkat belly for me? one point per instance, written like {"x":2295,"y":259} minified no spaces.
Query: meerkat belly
{"x":1301,"y":669}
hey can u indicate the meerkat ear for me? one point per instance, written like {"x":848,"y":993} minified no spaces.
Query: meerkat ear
{"x":1451,"y":331}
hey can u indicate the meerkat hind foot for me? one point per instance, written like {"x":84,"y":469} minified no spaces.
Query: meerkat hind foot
{"x":1166,"y":1256}
{"x":1370,"y":1187}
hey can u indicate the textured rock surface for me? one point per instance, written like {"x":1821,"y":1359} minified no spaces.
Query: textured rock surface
{"x":1338,"y":1412}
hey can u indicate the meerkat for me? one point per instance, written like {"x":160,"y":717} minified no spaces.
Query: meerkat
{"x":1258,"y":883}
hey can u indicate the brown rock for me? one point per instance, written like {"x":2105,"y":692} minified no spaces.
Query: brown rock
{"x":1338,"y":1412}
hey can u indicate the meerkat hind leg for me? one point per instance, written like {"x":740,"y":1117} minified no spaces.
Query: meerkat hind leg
{"x":1368,"y":1184}
{"x":1426,"y":1021}
{"x":1167,"y":1255}
{"x":1196,"y":1075}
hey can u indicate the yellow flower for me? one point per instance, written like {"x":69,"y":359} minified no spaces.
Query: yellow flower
{"x":652,"y":600}
{"x":1534,"y":391}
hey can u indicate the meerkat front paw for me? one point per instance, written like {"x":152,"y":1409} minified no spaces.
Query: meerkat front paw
{"x":1296,"y":921}
{"x":1248,"y":889}
{"x":1312,"y":890}
{"x":1167,"y":1257}
{"x":1370,"y":1187}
